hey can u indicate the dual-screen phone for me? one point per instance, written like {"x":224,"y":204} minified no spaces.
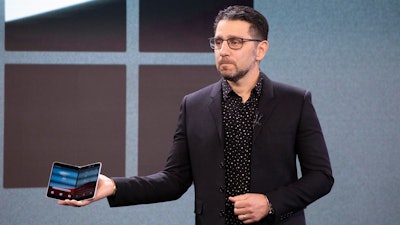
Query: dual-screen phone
{"x":73,"y":182}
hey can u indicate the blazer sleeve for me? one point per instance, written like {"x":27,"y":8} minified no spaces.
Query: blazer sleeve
{"x":169,"y":184}
{"x":316,"y":180}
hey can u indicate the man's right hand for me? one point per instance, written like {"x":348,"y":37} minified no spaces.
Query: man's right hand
{"x":105,"y":188}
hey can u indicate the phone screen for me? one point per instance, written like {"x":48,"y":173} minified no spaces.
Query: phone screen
{"x":73,"y":182}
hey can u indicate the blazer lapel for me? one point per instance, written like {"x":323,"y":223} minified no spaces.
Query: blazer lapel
{"x":266,"y":105}
{"x":215,"y":107}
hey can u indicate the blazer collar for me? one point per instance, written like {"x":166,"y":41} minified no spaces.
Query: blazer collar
{"x":266,"y":104}
{"x":267,"y":89}
{"x":215,"y":106}
{"x":265,"y":108}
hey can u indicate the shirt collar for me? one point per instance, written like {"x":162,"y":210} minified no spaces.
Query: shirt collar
{"x":226,"y":89}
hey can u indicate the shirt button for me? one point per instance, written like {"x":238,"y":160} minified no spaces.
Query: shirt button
{"x":222,"y":165}
{"x":222,"y":189}
{"x":222,"y":213}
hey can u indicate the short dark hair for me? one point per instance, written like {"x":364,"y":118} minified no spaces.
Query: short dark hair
{"x":259,"y":24}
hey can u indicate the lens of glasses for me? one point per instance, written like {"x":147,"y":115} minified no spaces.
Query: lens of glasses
{"x":212,"y":42}
{"x":233,"y":43}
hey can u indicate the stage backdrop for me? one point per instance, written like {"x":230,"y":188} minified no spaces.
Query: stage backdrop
{"x":103,"y":80}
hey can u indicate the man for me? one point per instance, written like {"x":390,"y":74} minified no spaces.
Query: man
{"x":237,"y":141}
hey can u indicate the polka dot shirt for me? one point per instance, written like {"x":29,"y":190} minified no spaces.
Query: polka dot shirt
{"x":238,"y":123}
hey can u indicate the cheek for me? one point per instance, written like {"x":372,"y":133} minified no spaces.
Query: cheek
{"x":243,"y":60}
{"x":248,"y":59}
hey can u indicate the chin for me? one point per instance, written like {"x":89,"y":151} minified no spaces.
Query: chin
{"x":226,"y":74}
{"x":233,"y":76}
{"x":230,"y":77}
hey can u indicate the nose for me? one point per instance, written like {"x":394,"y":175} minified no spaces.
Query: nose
{"x":224,"y":50}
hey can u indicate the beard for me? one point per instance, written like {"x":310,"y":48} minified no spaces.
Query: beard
{"x":233,"y":74}
{"x":234,"y":77}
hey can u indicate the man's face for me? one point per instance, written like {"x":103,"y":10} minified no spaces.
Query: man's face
{"x":235,"y":64}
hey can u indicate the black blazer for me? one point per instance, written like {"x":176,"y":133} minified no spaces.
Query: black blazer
{"x":288,"y":127}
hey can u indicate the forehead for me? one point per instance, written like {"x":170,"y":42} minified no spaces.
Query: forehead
{"x":235,"y":28}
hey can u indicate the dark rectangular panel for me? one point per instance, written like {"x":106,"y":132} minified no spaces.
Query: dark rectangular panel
{"x":68,"y":113}
{"x":161,"y":89}
{"x":92,"y":26}
{"x":179,"y":26}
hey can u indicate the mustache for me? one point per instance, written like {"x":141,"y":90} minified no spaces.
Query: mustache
{"x":226,"y":61}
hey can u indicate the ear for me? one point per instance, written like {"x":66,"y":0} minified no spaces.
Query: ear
{"x":262,"y":49}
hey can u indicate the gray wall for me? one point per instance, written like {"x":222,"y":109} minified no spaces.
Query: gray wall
{"x":346,"y":52}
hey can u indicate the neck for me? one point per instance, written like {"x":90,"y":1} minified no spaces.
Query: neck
{"x":245,"y":85}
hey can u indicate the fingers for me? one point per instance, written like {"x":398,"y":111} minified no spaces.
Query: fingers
{"x":238,"y":198}
{"x":250,"y":207}
{"x":74,"y":203}
{"x":241,"y":208}
{"x":105,"y":188}
{"x":247,"y":218}
{"x":240,"y":201}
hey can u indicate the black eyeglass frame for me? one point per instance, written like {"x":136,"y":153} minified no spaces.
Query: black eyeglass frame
{"x":229,"y":41}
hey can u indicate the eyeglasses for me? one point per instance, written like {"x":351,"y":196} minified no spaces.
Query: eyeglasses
{"x":233,"y":43}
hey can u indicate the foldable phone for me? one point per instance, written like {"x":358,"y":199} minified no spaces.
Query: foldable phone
{"x":73,"y":182}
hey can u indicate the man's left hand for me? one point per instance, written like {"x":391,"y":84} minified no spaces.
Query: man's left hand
{"x":250,"y":207}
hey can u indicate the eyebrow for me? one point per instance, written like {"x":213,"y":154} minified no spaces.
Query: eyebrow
{"x":229,"y":37}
